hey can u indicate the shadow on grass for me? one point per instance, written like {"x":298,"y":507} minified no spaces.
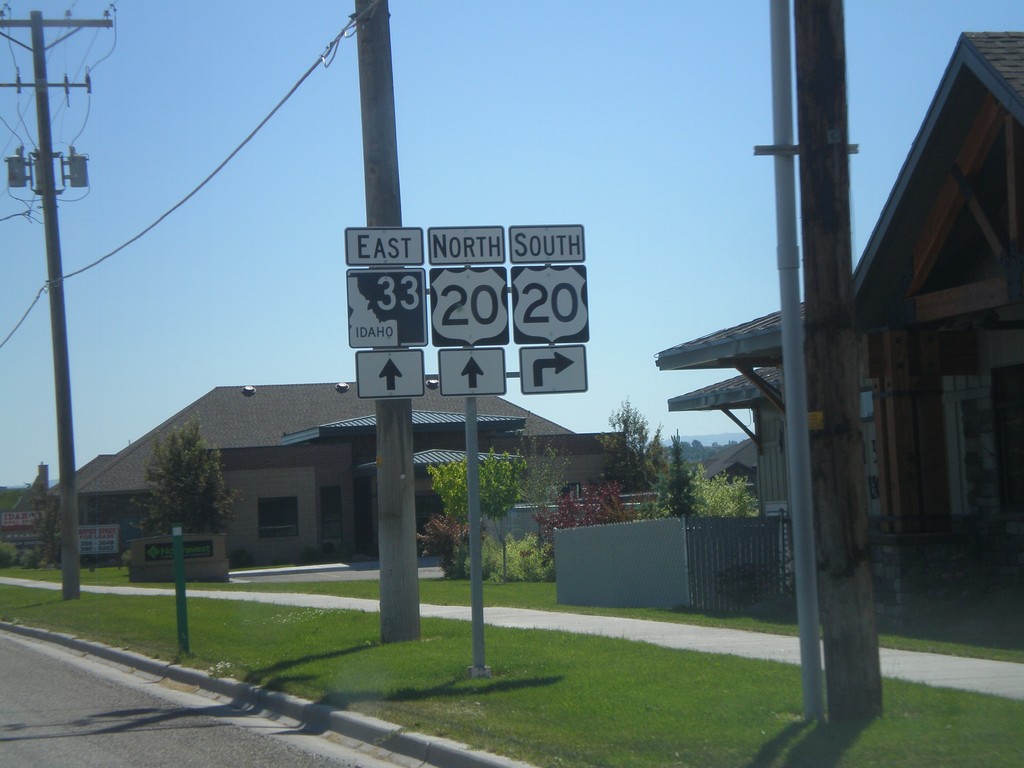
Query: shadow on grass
{"x":454,"y":688}
{"x":272,"y":677}
{"x":276,"y":677}
{"x":808,"y":745}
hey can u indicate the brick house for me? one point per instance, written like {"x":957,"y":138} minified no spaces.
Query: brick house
{"x":302,"y":460}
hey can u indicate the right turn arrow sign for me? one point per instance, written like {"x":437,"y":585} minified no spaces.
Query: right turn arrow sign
{"x":553,"y":369}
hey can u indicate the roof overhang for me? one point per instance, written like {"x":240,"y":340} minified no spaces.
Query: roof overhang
{"x":757,"y":343}
{"x":422,"y":422}
{"x":737,"y":392}
{"x":429,"y":458}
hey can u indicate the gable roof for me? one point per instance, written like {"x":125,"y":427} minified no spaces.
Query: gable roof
{"x":227,"y":419}
{"x":741,"y":455}
{"x":986,"y":72}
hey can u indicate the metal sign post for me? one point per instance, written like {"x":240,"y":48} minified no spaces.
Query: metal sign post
{"x":476,"y":581}
{"x":178,"y":546}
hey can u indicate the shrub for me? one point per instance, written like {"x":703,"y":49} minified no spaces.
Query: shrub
{"x":720,"y":496}
{"x":447,"y":538}
{"x":31,"y":558}
{"x":596,"y":505}
{"x":527,"y":559}
{"x":8,"y":554}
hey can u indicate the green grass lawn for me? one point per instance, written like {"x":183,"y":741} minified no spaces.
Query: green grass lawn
{"x":987,"y":626}
{"x":555,"y":699}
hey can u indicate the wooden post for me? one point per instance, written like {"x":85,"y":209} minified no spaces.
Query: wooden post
{"x":69,"y":546}
{"x":853,"y":676}
{"x":396,"y":500}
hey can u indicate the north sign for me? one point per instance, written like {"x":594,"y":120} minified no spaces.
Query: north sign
{"x":548,"y":370}
{"x":395,"y":373}
{"x":549,"y":304}
{"x":383,"y":246}
{"x":455,"y":246}
{"x":468,"y":306}
{"x":471,"y":372}
{"x":539,"y":245}
{"x":387,"y":308}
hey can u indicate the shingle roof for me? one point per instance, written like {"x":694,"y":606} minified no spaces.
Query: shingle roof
{"x":756,"y":342}
{"x":422,"y":421}
{"x":428,"y":458}
{"x":737,"y":392}
{"x":1004,"y":53}
{"x":227,"y":419}
{"x":742,"y":454}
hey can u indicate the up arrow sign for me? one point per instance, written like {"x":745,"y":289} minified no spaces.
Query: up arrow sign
{"x":389,"y":373}
{"x":472,"y":372}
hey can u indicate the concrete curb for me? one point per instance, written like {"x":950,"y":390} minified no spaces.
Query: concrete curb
{"x":428,"y":750}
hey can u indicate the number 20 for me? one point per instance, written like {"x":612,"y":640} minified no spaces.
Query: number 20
{"x":533,"y":310}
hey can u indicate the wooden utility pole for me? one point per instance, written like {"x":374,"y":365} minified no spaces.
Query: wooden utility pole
{"x":46,"y":186}
{"x":852,"y":674}
{"x":396,"y":501}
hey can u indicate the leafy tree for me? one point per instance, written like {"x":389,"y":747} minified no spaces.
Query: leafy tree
{"x":675,"y":487}
{"x":544,"y":477}
{"x":187,"y":485}
{"x":720,"y":496}
{"x":47,"y":523}
{"x":499,"y":478}
{"x":499,"y":485}
{"x":633,"y":457}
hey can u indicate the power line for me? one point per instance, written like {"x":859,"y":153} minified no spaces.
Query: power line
{"x":325,"y":58}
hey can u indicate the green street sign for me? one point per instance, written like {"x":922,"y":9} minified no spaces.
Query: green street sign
{"x":164,"y":551}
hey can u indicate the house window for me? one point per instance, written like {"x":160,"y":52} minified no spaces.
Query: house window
{"x":1008,"y":400}
{"x":278,"y":517}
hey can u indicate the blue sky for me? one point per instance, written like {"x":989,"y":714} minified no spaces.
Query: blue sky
{"x":637,"y":121}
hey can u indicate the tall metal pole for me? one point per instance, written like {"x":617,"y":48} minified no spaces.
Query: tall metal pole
{"x":476,"y":580}
{"x":396,"y":500}
{"x":58,"y":324}
{"x":795,"y":371}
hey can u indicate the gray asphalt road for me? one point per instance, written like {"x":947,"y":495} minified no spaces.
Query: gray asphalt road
{"x":58,"y":709}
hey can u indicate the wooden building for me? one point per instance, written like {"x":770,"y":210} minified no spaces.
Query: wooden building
{"x":939,"y":294}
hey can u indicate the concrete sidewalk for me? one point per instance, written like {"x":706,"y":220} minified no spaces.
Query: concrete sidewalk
{"x":996,"y":678}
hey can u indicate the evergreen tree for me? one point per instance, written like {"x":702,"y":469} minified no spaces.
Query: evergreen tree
{"x":676,"y":490}
{"x":633,"y":457}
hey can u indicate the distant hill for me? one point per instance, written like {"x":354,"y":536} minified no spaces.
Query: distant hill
{"x":702,"y":447}
{"x":722,"y":439}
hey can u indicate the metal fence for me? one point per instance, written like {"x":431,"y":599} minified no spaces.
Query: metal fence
{"x":737,"y":562}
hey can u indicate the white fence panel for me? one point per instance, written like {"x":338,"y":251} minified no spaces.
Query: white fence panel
{"x":624,"y":565}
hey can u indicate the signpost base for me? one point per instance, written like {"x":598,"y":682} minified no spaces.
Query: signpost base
{"x":478,"y":672}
